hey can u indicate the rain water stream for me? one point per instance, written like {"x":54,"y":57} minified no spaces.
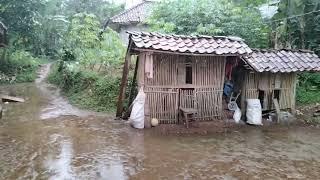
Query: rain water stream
{"x":47,"y":138}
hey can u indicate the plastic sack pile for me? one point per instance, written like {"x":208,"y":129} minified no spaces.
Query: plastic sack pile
{"x":137,"y":113}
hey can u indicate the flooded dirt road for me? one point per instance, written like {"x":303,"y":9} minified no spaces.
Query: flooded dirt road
{"x":47,"y":138}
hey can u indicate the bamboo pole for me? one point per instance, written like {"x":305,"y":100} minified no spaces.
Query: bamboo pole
{"x":132,"y":91}
{"x":134,"y":82}
{"x":123,"y":85}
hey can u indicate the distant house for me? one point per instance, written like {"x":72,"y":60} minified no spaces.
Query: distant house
{"x":132,"y":19}
{"x":3,"y":35}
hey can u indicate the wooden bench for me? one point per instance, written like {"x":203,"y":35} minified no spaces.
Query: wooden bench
{"x":188,"y":114}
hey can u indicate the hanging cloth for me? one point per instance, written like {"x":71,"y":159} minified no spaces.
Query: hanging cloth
{"x":149,"y":65}
{"x":229,"y":67}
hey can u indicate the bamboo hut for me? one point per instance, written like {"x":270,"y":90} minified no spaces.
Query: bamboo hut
{"x":272,"y":74}
{"x":191,"y":72}
{"x":178,"y":72}
{"x":3,"y":35}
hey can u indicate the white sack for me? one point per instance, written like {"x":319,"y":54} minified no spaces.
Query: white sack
{"x":137,"y":113}
{"x":254,"y":112}
{"x":237,"y":115}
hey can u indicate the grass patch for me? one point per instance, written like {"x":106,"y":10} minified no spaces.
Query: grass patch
{"x":307,"y":96}
{"x":86,"y":89}
{"x":308,"y":90}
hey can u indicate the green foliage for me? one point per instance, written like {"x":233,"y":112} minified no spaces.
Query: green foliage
{"x":308,"y":90}
{"x":22,"y":18}
{"x":310,"y":81}
{"x":101,"y":8}
{"x":88,"y":47}
{"x":207,"y":17}
{"x":250,"y":3}
{"x":87,"y":89}
{"x":40,"y":26}
{"x":299,"y":32}
{"x":297,"y":28}
{"x":19,"y":66}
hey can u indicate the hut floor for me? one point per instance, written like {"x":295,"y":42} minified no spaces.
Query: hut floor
{"x":203,"y":128}
{"x":226,"y":124}
{"x":218,"y":126}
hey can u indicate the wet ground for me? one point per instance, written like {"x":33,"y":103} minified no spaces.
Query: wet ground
{"x":47,"y":138}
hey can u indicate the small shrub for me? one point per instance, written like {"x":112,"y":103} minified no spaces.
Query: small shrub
{"x":308,"y":89}
{"x":19,"y":66}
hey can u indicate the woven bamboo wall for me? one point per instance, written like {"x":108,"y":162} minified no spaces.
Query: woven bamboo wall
{"x":169,"y":70}
{"x":163,"y":104}
{"x":208,"y":102}
{"x":167,"y":90}
{"x":268,"y":82}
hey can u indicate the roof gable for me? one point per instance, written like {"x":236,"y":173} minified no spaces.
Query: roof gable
{"x":284,"y":60}
{"x":137,"y":14}
{"x":216,"y":45}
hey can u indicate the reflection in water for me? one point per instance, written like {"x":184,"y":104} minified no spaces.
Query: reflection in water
{"x":60,"y":166}
{"x":111,"y":172}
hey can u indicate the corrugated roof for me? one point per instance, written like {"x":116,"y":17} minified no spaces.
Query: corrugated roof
{"x":219,"y":45}
{"x":136,"y":14}
{"x":284,"y":60}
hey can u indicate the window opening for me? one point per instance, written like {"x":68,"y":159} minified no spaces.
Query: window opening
{"x":276,"y":94}
{"x":188,"y":70}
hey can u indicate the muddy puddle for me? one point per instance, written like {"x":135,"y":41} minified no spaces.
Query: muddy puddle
{"x":47,"y":138}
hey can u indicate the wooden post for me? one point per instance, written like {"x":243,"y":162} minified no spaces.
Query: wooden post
{"x":124,"y":80}
{"x":134,"y":82}
{"x":293,"y":98}
{"x":133,"y":86}
{"x":277,"y":107}
{"x":147,"y":118}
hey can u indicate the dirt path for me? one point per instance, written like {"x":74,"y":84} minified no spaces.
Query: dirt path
{"x":57,"y":104}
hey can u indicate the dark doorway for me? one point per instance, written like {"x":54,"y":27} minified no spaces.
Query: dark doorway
{"x":261,"y":98}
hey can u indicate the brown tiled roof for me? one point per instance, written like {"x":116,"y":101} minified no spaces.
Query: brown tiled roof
{"x":284,"y":60}
{"x":219,"y":45}
{"x":136,"y":14}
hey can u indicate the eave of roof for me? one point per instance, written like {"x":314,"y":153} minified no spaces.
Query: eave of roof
{"x":193,"y":45}
{"x":283,"y":60}
{"x":135,"y":14}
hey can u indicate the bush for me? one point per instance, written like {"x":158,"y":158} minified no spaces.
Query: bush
{"x":308,"y":89}
{"x":18,"y":66}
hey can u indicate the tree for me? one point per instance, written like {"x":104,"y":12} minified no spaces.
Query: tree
{"x":22,"y":18}
{"x":207,"y":17}
{"x":297,"y":25}
{"x":89,"y":48}
{"x":101,"y":8}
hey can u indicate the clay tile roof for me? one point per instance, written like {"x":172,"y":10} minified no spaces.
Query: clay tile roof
{"x":218,"y":45}
{"x":137,"y":14}
{"x":283,"y":60}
